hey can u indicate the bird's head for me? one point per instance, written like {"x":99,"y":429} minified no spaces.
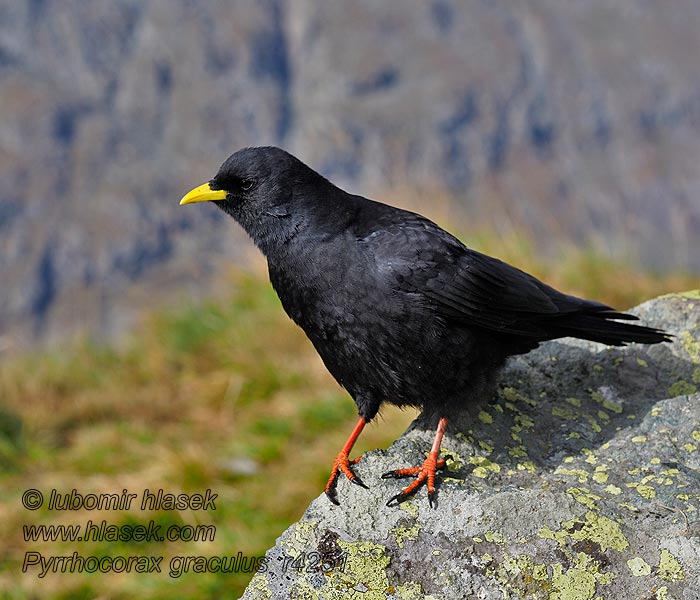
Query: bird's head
{"x":257,"y":187}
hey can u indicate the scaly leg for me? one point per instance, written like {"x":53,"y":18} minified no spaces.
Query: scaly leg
{"x":342,"y":463}
{"x":422,"y":473}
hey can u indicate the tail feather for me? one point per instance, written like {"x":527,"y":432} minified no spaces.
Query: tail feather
{"x":601,"y":327}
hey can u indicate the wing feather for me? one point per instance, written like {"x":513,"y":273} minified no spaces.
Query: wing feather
{"x":458,"y":283}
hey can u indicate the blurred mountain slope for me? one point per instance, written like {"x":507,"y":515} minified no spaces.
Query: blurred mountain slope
{"x":570,"y":120}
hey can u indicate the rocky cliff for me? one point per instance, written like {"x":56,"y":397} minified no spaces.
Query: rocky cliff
{"x":580,"y":480}
{"x":577,"y":120}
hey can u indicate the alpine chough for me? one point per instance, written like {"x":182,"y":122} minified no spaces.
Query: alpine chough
{"x":399,"y":310}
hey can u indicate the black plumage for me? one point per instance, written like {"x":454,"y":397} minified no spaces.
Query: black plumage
{"x":399,"y":310}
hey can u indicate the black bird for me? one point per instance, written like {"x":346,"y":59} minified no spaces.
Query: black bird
{"x":399,"y":310}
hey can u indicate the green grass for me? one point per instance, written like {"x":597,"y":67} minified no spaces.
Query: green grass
{"x":192,"y":395}
{"x":225,"y":395}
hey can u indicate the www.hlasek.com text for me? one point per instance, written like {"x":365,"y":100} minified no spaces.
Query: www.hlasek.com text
{"x":101,"y":531}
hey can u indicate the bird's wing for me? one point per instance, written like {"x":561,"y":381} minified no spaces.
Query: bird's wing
{"x":418,"y":257}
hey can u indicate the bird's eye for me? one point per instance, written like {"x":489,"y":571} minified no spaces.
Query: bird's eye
{"x":247,"y":184}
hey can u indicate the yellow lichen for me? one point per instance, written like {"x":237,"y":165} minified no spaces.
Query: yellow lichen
{"x":613,"y":489}
{"x":574,"y":584}
{"x":453,"y":461}
{"x":363,"y":575}
{"x":638,"y":567}
{"x":412,"y":591}
{"x":600,"y":477}
{"x":558,"y":536}
{"x":522,"y":575}
{"x":596,"y":528}
{"x":303,"y":533}
{"x":525,"y":421}
{"x":563,"y":413}
{"x":646,"y":491}
{"x":681,"y":388}
{"x":480,"y":472}
{"x":613,"y":406}
{"x":366,"y":563}
{"x":485,"y":417}
{"x":493,"y":537}
{"x":580,"y":474}
{"x":483,"y":466}
{"x":605,"y":532}
{"x":692,"y":346}
{"x":593,"y":423}
{"x":260,"y":587}
{"x":669,"y":567}
{"x":528,"y":466}
{"x":486,"y":447}
{"x":513,"y":395}
{"x":689,"y":295}
{"x":584,"y":496}
{"x":517,"y":451}
{"x":403,"y":534}
{"x":409,"y":507}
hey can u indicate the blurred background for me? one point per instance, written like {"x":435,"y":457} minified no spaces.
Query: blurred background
{"x":140,"y":343}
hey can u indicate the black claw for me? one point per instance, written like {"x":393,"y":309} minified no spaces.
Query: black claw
{"x":399,"y":498}
{"x":432,"y":502}
{"x":396,"y":499}
{"x":390,"y":475}
{"x":358,"y":481}
{"x":331,"y":490}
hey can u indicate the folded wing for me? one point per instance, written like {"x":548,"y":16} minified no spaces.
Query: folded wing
{"x":460,"y":284}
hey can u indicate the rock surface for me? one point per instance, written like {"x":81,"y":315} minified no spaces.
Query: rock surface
{"x":572,"y":119}
{"x":580,"y":480}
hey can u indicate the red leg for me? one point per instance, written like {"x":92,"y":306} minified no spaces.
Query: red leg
{"x":342,"y":463}
{"x":422,"y":473}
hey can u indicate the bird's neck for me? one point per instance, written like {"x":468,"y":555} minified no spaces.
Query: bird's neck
{"x":310,"y":219}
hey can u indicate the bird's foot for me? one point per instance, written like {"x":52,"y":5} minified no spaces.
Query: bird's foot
{"x":342,"y":464}
{"x":424,"y":473}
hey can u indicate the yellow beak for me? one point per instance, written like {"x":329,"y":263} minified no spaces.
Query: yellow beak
{"x":203,"y":193}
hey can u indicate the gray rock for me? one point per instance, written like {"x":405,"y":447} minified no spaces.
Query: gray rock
{"x":580,"y":480}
